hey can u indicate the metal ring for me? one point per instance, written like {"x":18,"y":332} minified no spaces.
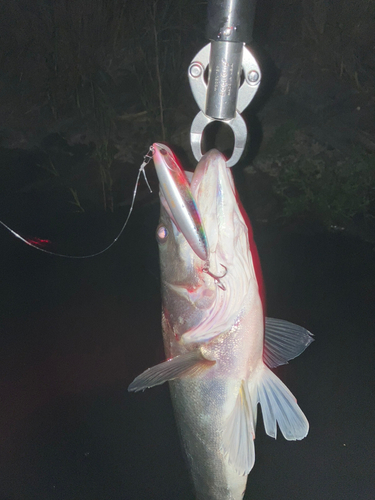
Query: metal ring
{"x":237,"y":124}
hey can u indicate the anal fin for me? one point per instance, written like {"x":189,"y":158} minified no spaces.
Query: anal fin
{"x":189,"y":364}
{"x":239,"y":433}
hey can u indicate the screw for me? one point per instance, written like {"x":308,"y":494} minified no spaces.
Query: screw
{"x":195,"y":70}
{"x":252,"y":77}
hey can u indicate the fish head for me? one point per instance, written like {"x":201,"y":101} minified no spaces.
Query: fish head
{"x":202,"y":299}
{"x":186,"y":296}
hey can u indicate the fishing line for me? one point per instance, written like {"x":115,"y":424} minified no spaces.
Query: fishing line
{"x":146,"y":160}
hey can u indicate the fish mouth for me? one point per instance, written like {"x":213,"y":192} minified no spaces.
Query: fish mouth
{"x":212,"y":188}
{"x":213,"y":209}
{"x":187,"y":197}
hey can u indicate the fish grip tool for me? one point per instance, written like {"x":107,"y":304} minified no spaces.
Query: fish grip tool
{"x":222,"y":98}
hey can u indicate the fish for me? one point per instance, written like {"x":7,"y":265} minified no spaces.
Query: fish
{"x":220,"y":348}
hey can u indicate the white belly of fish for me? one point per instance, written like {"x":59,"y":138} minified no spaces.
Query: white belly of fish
{"x":214,"y":478}
{"x":203,"y":403}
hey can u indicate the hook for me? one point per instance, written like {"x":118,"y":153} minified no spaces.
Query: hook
{"x":217,"y":279}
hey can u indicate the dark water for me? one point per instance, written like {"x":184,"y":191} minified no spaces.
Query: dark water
{"x":74,"y":334}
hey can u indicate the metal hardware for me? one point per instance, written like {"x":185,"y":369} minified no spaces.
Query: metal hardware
{"x":222,"y":99}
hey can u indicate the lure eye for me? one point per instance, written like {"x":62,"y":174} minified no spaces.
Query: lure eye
{"x":162,"y":234}
{"x":163,"y":152}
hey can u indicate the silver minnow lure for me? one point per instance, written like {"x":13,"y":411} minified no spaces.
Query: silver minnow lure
{"x":179,"y":200}
{"x":219,"y":347}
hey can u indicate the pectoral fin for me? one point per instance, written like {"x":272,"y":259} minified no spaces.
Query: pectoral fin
{"x":189,"y":364}
{"x":283,"y":341}
{"x":239,"y":433}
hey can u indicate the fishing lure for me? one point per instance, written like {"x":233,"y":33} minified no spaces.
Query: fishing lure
{"x":182,"y":207}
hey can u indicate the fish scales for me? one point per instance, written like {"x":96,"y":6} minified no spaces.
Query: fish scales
{"x":215,"y":339}
{"x":201,"y":408}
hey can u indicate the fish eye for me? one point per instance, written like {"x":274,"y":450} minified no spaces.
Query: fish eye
{"x":162,"y":234}
{"x":163,"y":152}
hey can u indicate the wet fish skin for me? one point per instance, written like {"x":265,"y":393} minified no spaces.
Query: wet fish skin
{"x":215,"y":345}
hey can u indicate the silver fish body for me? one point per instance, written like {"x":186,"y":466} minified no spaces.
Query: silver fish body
{"x":219,"y":357}
{"x":203,"y":404}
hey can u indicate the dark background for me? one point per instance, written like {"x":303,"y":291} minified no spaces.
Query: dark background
{"x":79,"y":106}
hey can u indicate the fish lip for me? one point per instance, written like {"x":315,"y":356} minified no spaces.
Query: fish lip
{"x":204,"y":165}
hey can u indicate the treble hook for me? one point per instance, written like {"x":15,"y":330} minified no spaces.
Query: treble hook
{"x":217,"y":279}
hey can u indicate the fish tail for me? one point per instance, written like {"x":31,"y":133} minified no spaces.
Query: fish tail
{"x":279,"y":407}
